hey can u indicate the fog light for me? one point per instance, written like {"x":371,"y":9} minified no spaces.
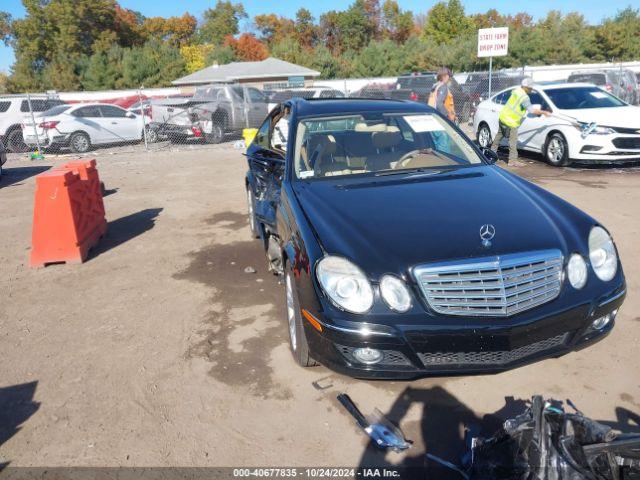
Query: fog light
{"x":600,"y":323}
{"x":367,"y":355}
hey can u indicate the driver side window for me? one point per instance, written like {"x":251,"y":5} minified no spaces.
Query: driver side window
{"x":537,"y":99}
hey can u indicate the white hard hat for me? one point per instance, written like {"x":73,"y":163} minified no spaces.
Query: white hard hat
{"x":527,"y":82}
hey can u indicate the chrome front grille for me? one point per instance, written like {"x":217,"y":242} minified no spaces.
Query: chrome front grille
{"x":491,"y":286}
{"x":491,"y":357}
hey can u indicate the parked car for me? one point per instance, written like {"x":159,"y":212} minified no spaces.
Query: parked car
{"x":3,"y":158}
{"x":170,"y":118}
{"x":13,"y":108}
{"x":613,"y":81}
{"x":633,"y":86}
{"x":222,"y":109}
{"x":82,"y":126}
{"x":588,"y":124}
{"x":405,"y":252}
{"x":276,"y":98}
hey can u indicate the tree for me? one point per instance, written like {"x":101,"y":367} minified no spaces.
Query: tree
{"x":273,"y":28}
{"x":221,"y":55}
{"x":619,"y":37}
{"x":4,"y":78}
{"x":221,"y":21}
{"x":379,"y":59}
{"x":5,"y":28}
{"x":195,"y":56}
{"x":247,"y":47}
{"x":305,"y":28}
{"x":446,"y":21}
{"x":155,"y":64}
{"x":104,"y":69}
{"x":395,"y":23}
{"x":177,"y":31}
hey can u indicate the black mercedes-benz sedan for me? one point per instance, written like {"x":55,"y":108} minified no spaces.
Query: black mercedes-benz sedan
{"x":407,"y":252}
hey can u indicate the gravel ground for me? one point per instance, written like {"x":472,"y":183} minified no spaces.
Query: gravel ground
{"x":161,"y":351}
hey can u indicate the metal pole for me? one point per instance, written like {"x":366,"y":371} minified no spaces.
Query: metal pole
{"x":144,"y":123}
{"x":490,"y":71}
{"x":33,"y":119}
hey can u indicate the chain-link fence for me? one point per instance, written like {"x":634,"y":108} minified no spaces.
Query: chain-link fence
{"x":153,"y":120}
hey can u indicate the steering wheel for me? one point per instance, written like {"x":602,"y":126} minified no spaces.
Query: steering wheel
{"x":408,"y":156}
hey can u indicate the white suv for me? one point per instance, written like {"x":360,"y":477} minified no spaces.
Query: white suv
{"x":13,"y":109}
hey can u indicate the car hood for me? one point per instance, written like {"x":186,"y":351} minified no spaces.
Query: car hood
{"x":624,"y":117}
{"x":389,"y":224}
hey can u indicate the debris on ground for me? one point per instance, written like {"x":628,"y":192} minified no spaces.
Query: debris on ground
{"x":250,"y":270}
{"x":383,"y":433}
{"x":547,"y":443}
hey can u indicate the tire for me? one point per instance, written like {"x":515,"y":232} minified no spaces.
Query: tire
{"x":297,"y":337}
{"x":253,"y":222}
{"x":80,"y":142}
{"x":217,"y":133}
{"x":15,"y":142}
{"x":152,"y":135}
{"x":556,"y":150}
{"x":483,"y":136}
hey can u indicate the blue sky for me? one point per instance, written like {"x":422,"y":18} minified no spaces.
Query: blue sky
{"x":593,"y":10}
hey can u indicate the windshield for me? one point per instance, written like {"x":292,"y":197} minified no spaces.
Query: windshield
{"x":582,"y":97}
{"x":377,"y":143}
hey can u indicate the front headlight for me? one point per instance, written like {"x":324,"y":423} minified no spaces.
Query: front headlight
{"x":594,"y":129}
{"x":345,"y":284}
{"x":395,"y":294}
{"x":602,"y":253}
{"x":577,"y":271}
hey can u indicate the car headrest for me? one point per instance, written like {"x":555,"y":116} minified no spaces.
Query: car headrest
{"x":363,"y":127}
{"x":385,"y":139}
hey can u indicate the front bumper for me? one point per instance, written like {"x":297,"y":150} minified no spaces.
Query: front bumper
{"x":462,"y":346}
{"x":612,"y":148}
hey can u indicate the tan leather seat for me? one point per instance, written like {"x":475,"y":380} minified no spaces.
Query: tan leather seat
{"x":384,"y":142}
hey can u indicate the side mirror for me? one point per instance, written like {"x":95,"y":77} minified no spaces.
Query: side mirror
{"x":490,"y":156}
{"x":131,"y":115}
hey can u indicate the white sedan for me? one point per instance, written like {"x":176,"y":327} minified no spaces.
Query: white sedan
{"x":587,"y":125}
{"x":81,"y":126}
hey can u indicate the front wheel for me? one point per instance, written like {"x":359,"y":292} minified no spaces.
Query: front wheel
{"x":297,"y":337}
{"x":484,"y":136}
{"x":79,"y":142}
{"x":556,"y":150}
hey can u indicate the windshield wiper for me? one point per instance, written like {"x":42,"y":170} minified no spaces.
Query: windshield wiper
{"x":414,"y":171}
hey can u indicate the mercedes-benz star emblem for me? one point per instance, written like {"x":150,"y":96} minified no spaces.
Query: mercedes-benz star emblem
{"x":487,"y":232}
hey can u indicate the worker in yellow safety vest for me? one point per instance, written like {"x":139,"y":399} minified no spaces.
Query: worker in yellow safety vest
{"x":513,"y":114}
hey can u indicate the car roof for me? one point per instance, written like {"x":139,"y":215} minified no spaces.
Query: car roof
{"x":95,"y":104}
{"x":329,"y":106}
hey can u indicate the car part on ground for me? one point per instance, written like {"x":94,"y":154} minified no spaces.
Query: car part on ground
{"x":545,"y":442}
{"x":382,"y":432}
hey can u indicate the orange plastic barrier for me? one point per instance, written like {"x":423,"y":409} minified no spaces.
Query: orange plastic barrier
{"x":68,"y":216}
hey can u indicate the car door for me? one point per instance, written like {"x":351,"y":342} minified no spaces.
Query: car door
{"x":266,"y":170}
{"x":258,"y":106}
{"x":491,"y":110}
{"x":533,"y":130}
{"x":89,"y":119}
{"x":121,"y":127}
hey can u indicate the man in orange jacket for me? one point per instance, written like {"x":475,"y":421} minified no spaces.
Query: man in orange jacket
{"x":440,"y":97}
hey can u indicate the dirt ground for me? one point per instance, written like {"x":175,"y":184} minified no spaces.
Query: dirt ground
{"x":161,"y":351}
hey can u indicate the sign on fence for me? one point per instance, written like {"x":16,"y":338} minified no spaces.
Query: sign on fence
{"x":493,"y":42}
